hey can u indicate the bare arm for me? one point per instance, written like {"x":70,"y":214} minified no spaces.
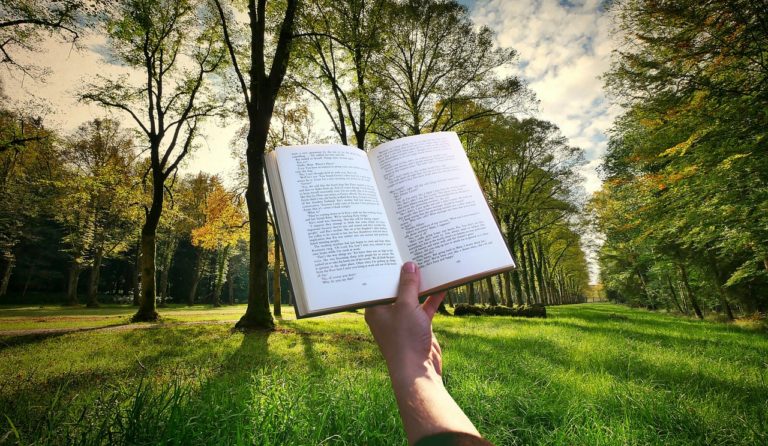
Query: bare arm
{"x":403,"y":331}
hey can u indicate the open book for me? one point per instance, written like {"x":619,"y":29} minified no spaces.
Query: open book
{"x":349,"y":219}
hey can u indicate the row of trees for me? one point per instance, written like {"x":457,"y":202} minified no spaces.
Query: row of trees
{"x":428,"y":69}
{"x":684,"y":208}
{"x":83,"y":194}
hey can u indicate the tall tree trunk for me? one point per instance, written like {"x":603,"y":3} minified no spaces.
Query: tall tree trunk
{"x":147,"y":300}
{"x":167,"y":261}
{"x":276,"y":295}
{"x":691,"y":297}
{"x":524,"y":271}
{"x":471,"y":295}
{"x":719,"y":279}
{"x":230,"y":284}
{"x":263,"y":91}
{"x":135,"y":277}
{"x":72,"y":281}
{"x":674,"y":295}
{"x":723,"y":299}
{"x":221,"y":270}
{"x":449,"y":296}
{"x":541,"y":274}
{"x":491,"y":294}
{"x":8,"y":261}
{"x":502,"y":298}
{"x":164,"y":273}
{"x":197,"y":274}
{"x":93,"y":279}
{"x":30,"y":274}
{"x":531,"y":274}
{"x":257,"y":315}
{"x":507,"y":289}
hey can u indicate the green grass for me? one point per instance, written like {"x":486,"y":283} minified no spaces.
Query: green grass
{"x":594,"y":374}
{"x":20,"y":317}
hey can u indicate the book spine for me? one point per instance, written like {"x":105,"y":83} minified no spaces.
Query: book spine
{"x":282,"y":239}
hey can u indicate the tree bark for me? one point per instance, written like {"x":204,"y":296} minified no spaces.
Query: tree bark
{"x":491,"y":294}
{"x":644,"y":285}
{"x":30,"y":274}
{"x":257,"y":315}
{"x":500,"y":284}
{"x":263,"y":92}
{"x":167,"y":261}
{"x":230,"y":285}
{"x":721,"y":293}
{"x":93,"y":280}
{"x":507,"y":289}
{"x":480,"y":293}
{"x":276,"y":295}
{"x":524,"y":272}
{"x":8,"y":261}
{"x":199,"y":266}
{"x":530,"y":273}
{"x":147,"y":300}
{"x":691,"y":297}
{"x":471,"y":294}
{"x":135,"y":277}
{"x":72,"y":281}
{"x":221,"y":266}
{"x":674,"y":295}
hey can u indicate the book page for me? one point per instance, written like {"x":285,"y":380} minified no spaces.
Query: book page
{"x":437,"y":210}
{"x":345,"y":248}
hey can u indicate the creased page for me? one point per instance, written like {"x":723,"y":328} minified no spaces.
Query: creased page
{"x":437,"y":209}
{"x":347,"y":254}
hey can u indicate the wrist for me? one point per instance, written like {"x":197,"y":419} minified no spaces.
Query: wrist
{"x":406,"y":372}
{"x":425,"y":406}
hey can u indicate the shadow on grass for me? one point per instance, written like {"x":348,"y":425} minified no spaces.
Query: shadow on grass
{"x":31,"y":338}
{"x":629,"y":373}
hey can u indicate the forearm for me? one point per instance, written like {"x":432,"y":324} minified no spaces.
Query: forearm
{"x":425,"y":406}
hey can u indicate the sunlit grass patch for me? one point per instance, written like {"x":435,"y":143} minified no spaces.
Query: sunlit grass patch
{"x":589,"y":374}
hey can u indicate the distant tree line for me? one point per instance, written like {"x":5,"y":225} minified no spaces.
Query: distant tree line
{"x":684,"y":207}
{"x":112,"y":200}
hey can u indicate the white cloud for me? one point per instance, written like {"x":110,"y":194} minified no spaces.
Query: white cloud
{"x":563,"y":47}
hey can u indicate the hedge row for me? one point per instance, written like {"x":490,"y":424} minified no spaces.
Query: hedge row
{"x":521,"y":311}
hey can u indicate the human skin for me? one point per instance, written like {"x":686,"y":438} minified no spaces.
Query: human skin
{"x":403,"y":331}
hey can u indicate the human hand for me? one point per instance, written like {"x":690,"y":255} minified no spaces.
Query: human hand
{"x":403,"y":329}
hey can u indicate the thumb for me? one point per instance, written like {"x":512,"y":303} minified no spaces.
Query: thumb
{"x":408,"y":290}
{"x":432,"y":304}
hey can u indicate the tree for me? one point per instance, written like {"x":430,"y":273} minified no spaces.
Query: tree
{"x":526,"y":167}
{"x":29,"y":165}
{"x":225,"y":225}
{"x":22,"y":23}
{"x":434,"y":64}
{"x":177,"y":47}
{"x":258,"y":94}
{"x":342,"y":41}
{"x":685,"y":159}
{"x":100,"y":159}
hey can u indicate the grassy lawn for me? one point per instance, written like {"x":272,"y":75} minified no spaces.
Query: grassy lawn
{"x":590,"y":374}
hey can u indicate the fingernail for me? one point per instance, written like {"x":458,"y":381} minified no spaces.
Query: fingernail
{"x":409,"y":267}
